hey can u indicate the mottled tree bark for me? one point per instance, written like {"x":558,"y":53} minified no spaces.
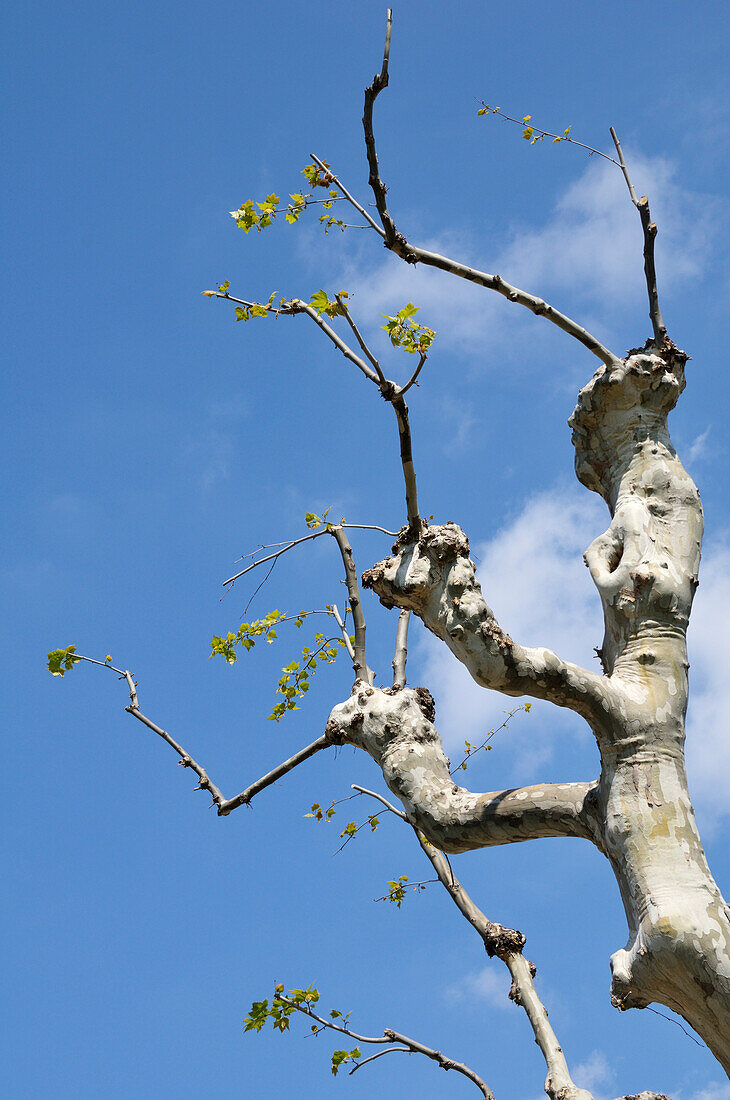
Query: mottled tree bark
{"x":638,"y":813}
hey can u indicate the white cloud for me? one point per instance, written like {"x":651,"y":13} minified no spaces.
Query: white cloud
{"x":714,"y":1091}
{"x":698,"y":448}
{"x":588,"y":250}
{"x":533,"y":577}
{"x":592,"y":1073}
{"x":708,"y":639}
{"x":488,"y":985}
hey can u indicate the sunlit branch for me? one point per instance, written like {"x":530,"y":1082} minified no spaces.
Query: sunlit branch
{"x":507,"y":944}
{"x":359,"y":662}
{"x":223,"y":805}
{"x":401,"y":650}
{"x":366,"y":350}
{"x":343,"y":631}
{"x":390,"y":1036}
{"x":350,"y":198}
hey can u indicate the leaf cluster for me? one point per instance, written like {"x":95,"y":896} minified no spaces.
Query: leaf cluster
{"x":330,"y":307}
{"x":405,"y":333}
{"x":61,"y":660}
{"x":248,"y":217}
{"x":279,"y":1010}
{"x":260,"y":215}
{"x":293,"y":684}
{"x":283,"y":1006}
{"x":257,"y":309}
{"x":295,"y":679}
{"x":247,"y":634}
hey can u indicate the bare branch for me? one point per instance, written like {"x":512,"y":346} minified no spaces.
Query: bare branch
{"x":223,"y":805}
{"x":366,"y":350}
{"x":242,"y":799}
{"x":401,"y":650}
{"x":337,"y":340}
{"x":649,"y":229}
{"x":353,"y":201}
{"x":406,"y":457}
{"x":380,"y":81}
{"x":412,"y":380}
{"x":362,"y":672}
{"x":379,"y":797}
{"x":396,"y":242}
{"x":507,"y":944}
{"x":390,"y":1036}
{"x":541,"y":308}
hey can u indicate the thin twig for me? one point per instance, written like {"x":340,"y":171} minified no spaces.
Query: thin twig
{"x":379,"y":797}
{"x":223,"y":805}
{"x":353,"y":201}
{"x":546,"y":133}
{"x":649,"y":230}
{"x":304,"y":307}
{"x":412,"y":380}
{"x":392,"y":393}
{"x":380,"y":1053}
{"x":487,"y":739}
{"x":348,"y":317}
{"x":507,"y":944}
{"x":397,"y":243}
{"x":680,"y":1026}
{"x":276,"y":554}
{"x":390,"y":1036}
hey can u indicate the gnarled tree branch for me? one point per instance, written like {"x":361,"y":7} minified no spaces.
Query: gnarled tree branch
{"x":396,"y":728}
{"x":434,"y":577}
{"x":507,"y":944}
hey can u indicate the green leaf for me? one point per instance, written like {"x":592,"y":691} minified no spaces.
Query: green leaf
{"x":61,"y":660}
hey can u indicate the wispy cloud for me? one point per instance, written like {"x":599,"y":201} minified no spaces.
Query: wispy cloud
{"x":593,"y":1073}
{"x":533,"y":576}
{"x":698,"y":448}
{"x":708,"y":640}
{"x":487,"y":985}
{"x":714,"y":1091}
{"x":588,"y":251}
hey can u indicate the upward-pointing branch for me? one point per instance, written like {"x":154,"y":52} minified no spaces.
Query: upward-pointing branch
{"x":650,"y":231}
{"x":397,"y":243}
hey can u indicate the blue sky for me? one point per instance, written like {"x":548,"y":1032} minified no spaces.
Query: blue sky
{"x":150,"y":441}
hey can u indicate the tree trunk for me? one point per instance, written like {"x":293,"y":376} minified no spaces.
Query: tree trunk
{"x":639,"y":814}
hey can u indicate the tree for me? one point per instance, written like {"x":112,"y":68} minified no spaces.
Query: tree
{"x":638,"y":813}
